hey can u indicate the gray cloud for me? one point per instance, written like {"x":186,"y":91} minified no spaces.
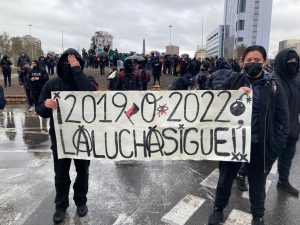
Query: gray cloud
{"x":129,"y":21}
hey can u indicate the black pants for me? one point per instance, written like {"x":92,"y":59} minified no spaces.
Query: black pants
{"x":243,"y":170}
{"x":50,"y":70}
{"x":286,"y":158}
{"x":35,"y":95}
{"x":256,"y":178}
{"x":62,"y":181}
{"x":156,"y":76}
{"x":102,"y":70}
{"x":29,"y":97}
{"x":7,"y":77}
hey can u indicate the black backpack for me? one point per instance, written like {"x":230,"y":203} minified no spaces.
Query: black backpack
{"x":219,"y":79}
{"x":2,"y":98}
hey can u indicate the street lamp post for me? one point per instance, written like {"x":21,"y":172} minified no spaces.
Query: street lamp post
{"x":170,"y":26}
{"x":30,"y":25}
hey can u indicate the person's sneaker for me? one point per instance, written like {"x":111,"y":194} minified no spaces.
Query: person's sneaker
{"x":59,"y":215}
{"x":216,"y":217}
{"x":287,"y":187}
{"x":241,"y":183}
{"x":31,"y":109}
{"x":257,"y":221}
{"x":82,"y":210}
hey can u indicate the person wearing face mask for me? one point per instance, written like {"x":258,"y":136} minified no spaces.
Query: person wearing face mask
{"x":24,"y":82}
{"x":42,"y":62}
{"x":70,"y":78}
{"x":22,"y":60}
{"x":286,"y":72}
{"x":37,"y":77}
{"x":269,"y":131}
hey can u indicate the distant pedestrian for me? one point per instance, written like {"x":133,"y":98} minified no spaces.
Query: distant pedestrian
{"x":37,"y":77}
{"x":23,"y":59}
{"x":156,"y":69}
{"x":5,"y":64}
{"x":24,"y":82}
{"x":50,"y":61}
{"x":42,"y":62}
{"x":222,"y":73}
{"x":128,"y":80}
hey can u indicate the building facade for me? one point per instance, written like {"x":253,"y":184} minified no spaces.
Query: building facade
{"x":102,"y":39}
{"x":32,"y":45}
{"x":214,"y":42}
{"x":246,"y":22}
{"x":201,"y":52}
{"x":292,"y":44}
{"x":172,"y":49}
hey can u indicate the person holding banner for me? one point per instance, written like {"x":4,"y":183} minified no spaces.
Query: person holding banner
{"x":269,"y":131}
{"x":70,"y":78}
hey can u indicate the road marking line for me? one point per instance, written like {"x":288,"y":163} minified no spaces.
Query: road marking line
{"x":183,"y":211}
{"x":237,"y":217}
{"x":211,"y":180}
{"x":122,"y":219}
{"x":246,"y":193}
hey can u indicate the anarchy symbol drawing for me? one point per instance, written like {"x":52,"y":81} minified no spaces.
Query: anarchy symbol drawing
{"x":82,"y":140}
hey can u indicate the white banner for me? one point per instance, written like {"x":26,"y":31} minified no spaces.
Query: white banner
{"x":162,"y":125}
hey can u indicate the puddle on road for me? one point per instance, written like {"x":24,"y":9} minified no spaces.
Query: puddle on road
{"x":22,"y":130}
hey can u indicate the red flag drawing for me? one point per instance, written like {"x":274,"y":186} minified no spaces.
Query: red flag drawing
{"x":130,"y":112}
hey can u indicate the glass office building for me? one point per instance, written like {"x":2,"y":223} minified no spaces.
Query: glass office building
{"x":246,"y":22}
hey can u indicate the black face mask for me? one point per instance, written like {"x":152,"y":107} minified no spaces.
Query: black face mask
{"x":253,"y":69}
{"x":292,"y":69}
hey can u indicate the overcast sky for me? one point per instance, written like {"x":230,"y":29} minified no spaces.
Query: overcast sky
{"x":129,"y":21}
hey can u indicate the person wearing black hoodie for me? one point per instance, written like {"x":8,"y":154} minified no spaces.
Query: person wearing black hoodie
{"x":286,"y":72}
{"x":37,"y":77}
{"x":269,"y":131}
{"x":5,"y":63}
{"x":222,"y":73}
{"x":70,"y":78}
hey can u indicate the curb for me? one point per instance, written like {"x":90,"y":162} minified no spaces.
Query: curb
{"x":16,"y":99}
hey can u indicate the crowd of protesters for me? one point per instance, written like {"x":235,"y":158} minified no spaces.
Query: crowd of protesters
{"x":275,"y":125}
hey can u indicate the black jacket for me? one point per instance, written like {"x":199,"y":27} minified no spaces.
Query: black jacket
{"x":39,"y":73}
{"x":222,"y":73}
{"x":273,"y":116}
{"x":78,"y":82}
{"x":292,"y":90}
{"x":5,"y":63}
{"x":22,"y":60}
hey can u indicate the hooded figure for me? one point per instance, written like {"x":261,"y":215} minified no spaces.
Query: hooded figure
{"x":128,"y":80}
{"x":203,"y":76}
{"x":70,"y":78}
{"x":222,"y":73}
{"x":286,"y":72}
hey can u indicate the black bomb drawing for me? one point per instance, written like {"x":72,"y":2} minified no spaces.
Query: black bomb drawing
{"x":238,"y":107}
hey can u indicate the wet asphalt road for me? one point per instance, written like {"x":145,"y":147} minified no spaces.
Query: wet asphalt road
{"x":142,"y":193}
